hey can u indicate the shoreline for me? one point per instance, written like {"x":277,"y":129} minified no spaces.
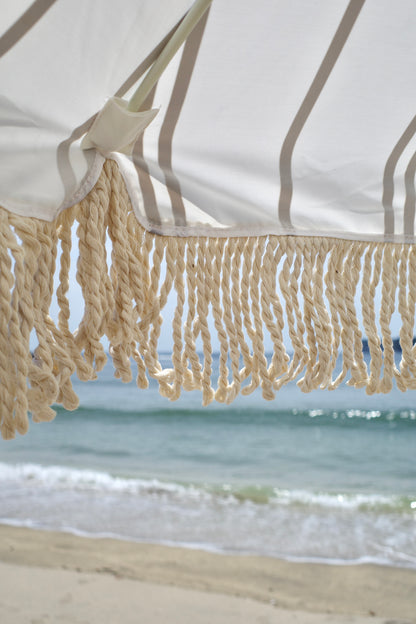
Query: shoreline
{"x":208,"y":548}
{"x":362,"y":591}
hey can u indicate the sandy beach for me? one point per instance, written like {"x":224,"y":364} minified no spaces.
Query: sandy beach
{"x":57,"y":577}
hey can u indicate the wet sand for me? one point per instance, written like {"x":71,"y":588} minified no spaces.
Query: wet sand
{"x":50,"y":577}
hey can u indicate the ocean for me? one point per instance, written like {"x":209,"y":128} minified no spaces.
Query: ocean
{"x":327,"y":477}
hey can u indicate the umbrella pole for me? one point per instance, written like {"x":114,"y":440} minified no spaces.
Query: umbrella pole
{"x":180,"y":35}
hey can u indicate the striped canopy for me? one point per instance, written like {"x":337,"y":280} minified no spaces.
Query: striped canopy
{"x":270,"y":166}
{"x":275,"y":117}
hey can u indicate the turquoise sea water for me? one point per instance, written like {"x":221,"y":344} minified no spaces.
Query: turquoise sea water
{"x":328,"y":476}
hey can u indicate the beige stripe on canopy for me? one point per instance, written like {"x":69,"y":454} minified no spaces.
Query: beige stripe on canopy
{"x":142,"y":168}
{"x":24,"y":24}
{"x":409,"y":205}
{"x":388,"y":177}
{"x":180,"y":89}
{"x":327,"y":65}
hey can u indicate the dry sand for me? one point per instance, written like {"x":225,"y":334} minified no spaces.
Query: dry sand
{"x":59,"y":578}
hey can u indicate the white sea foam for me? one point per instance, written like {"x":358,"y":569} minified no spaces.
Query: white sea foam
{"x":339,"y":501}
{"x":292,"y":524}
{"x":62,"y":478}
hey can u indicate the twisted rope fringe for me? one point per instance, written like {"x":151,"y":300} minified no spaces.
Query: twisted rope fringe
{"x":244,"y":290}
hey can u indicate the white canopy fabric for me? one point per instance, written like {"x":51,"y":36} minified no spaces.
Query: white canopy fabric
{"x":276,"y":117}
{"x":272,"y":167}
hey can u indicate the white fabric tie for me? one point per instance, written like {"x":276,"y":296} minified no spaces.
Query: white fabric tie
{"x":116,"y":129}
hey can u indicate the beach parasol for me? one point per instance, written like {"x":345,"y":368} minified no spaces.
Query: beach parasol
{"x":253,"y":161}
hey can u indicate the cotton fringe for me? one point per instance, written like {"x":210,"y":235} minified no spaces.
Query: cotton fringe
{"x":245,"y":290}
